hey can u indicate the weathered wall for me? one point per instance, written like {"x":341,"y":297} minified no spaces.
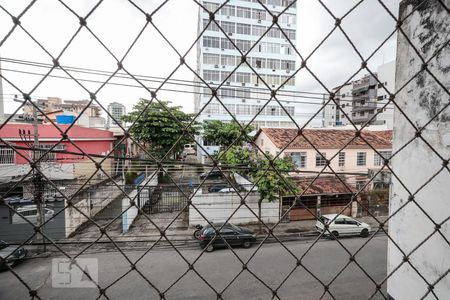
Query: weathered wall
{"x":428,"y":28}
{"x":90,"y":203}
{"x":218,"y":207}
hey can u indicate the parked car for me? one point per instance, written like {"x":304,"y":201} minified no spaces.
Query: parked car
{"x":29,"y":212}
{"x":214,"y":174}
{"x":342,"y":225}
{"x":10,"y":254}
{"x":216,"y":188}
{"x":234,"y":235}
{"x":227,"y":190}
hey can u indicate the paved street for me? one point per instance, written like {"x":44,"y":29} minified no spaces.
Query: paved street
{"x":271,"y":264}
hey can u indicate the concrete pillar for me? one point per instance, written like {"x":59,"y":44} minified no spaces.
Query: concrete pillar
{"x":428,"y":28}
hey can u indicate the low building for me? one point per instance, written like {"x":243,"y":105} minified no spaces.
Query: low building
{"x":354,"y":161}
{"x":319,"y":196}
{"x":67,"y":161}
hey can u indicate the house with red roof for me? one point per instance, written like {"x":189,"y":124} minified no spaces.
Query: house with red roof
{"x":354,"y":156}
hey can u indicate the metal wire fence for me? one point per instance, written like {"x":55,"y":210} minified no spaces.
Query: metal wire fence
{"x":35,"y":177}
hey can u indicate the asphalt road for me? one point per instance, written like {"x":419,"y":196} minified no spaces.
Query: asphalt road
{"x":271,"y":264}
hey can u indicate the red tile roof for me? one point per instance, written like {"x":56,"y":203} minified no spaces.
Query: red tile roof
{"x":326,"y":185}
{"x":11,"y":131}
{"x":327,"y":138}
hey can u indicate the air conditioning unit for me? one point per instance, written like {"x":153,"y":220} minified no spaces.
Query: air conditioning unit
{"x":223,"y":49}
{"x":206,"y":49}
{"x":228,"y":17}
{"x":216,"y":66}
{"x":259,"y":21}
{"x":287,"y":71}
{"x":230,"y":33}
{"x":288,"y":25}
{"x":243,"y":84}
{"x":256,"y":84}
{"x":273,"y":70}
{"x":223,"y":67}
{"x":228,"y":83}
{"x":243,"y":100}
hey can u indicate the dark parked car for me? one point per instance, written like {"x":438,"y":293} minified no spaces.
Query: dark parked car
{"x":234,"y":235}
{"x":11,"y":254}
{"x":211,"y":175}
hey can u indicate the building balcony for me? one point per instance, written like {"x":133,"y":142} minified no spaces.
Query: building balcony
{"x":364,"y":107}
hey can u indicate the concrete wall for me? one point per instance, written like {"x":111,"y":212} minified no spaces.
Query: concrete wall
{"x":218,"y":207}
{"x":428,"y":29}
{"x":131,"y":214}
{"x":90,"y":203}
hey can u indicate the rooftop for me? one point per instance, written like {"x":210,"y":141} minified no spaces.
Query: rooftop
{"x":326,"y":185}
{"x":327,"y":138}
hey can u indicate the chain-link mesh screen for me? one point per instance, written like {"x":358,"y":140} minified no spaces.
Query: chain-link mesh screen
{"x":131,"y":201}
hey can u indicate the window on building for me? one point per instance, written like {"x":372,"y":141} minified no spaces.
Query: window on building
{"x":210,"y":26}
{"x":321,"y":159}
{"x":361,"y":158}
{"x":243,"y":45}
{"x":288,"y":65}
{"x":273,"y":48}
{"x":211,"y":75}
{"x":51,"y":156}
{"x":228,"y":10}
{"x":211,"y":59}
{"x":258,"y":30}
{"x":242,"y":77}
{"x":211,"y":42}
{"x":228,"y":60}
{"x":378,"y":160}
{"x":258,"y":62}
{"x":273,"y":64}
{"x":226,"y":43}
{"x":287,"y":80}
{"x":290,"y":34}
{"x":231,"y":109}
{"x":227,"y":76}
{"x":243,"y":28}
{"x":258,"y":14}
{"x":7,"y":156}
{"x":212,"y":109}
{"x":299,"y":159}
{"x":211,"y":6}
{"x":242,"y":109}
{"x":228,"y":27}
{"x":273,"y":79}
{"x":243,"y":12}
{"x":274,"y":33}
{"x":243,"y":93}
{"x":227,"y":92}
{"x":341,"y":159}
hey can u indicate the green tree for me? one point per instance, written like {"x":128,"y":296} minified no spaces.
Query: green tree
{"x":224,"y":133}
{"x":160,"y":126}
{"x":272,"y":180}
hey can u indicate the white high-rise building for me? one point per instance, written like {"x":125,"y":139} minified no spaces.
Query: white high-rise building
{"x":117,"y":110}
{"x":242,"y":91}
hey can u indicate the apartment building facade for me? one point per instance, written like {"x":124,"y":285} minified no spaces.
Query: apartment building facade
{"x":245,"y":91}
{"x":363,"y":100}
{"x":116,"y":111}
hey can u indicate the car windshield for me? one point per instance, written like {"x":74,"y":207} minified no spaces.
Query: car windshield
{"x":324,"y":220}
{"x":237,"y":228}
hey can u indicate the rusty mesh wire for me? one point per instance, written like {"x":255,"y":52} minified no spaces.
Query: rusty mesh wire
{"x":161,"y":164}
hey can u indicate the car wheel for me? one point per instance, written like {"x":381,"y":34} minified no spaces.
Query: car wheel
{"x":246,"y":244}
{"x":364,"y":232}
{"x":335,"y":234}
{"x":197,"y":234}
{"x":209,"y":248}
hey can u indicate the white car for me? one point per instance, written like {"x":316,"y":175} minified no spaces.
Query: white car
{"x":227,"y":190}
{"x":29,"y":212}
{"x":342,"y":225}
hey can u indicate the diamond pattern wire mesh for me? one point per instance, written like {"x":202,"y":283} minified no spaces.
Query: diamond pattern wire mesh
{"x":160,"y":163}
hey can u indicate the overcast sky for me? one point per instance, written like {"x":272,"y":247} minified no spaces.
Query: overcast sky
{"x":117,"y":23}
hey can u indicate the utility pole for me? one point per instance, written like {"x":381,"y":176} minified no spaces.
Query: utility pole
{"x":2,"y":111}
{"x":37,"y":176}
